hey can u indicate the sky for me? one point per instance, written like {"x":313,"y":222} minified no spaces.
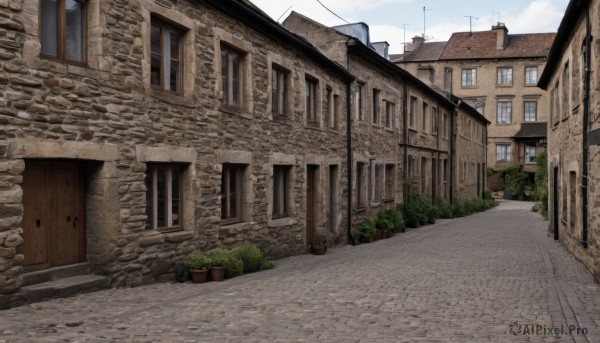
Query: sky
{"x":392,"y":20}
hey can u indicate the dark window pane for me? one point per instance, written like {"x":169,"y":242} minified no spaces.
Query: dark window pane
{"x":174,"y":45}
{"x":224,"y":75}
{"x":49,"y":27}
{"x":174,"y":77}
{"x":160,"y":195}
{"x":75,"y":18}
{"x":149,"y":199}
{"x":175,"y":196}
{"x":235,"y":70}
{"x":155,"y":70}
{"x":155,"y":39}
{"x":233,"y":193}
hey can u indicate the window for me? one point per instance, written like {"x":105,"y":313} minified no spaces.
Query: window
{"x":529,"y":154}
{"x":413,"y":115}
{"x":279,"y":85}
{"x":163,"y":196}
{"x":231,"y":74}
{"x":425,"y":116}
{"x":504,"y":76}
{"x":165,"y":60}
{"x":231,"y":192}
{"x":333,"y":121}
{"x":389,"y":114}
{"x":360,"y":184}
{"x":311,"y":100}
{"x":281,"y":175}
{"x":504,"y":114}
{"x":375,"y":106}
{"x":329,"y":103}
{"x":469,"y":77}
{"x":480,"y":107}
{"x":531,"y":76}
{"x":389,"y":181}
{"x":434,"y":121}
{"x":530,"y":110}
{"x":359,"y":102}
{"x":565,"y":108}
{"x":62,"y":30}
{"x":554,"y":104}
{"x":503,"y":152}
{"x":445,"y":125}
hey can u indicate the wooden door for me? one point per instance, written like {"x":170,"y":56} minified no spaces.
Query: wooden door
{"x":311,"y":192}
{"x":333,"y":200}
{"x":555,"y":202}
{"x":54,"y":214}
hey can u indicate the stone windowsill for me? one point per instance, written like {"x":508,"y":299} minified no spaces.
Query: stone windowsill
{"x":286,"y":221}
{"x":233,"y":110}
{"x":172,"y":98}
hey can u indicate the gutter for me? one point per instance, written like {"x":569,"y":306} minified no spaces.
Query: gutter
{"x":405,"y":140}
{"x":452,"y":152}
{"x":349,"y":160}
{"x":586,"y":115}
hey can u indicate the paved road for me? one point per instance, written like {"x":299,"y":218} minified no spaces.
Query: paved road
{"x":461,"y":280}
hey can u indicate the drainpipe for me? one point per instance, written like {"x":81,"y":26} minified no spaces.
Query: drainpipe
{"x":586,"y":114}
{"x":349,"y":159}
{"x":405,"y":140}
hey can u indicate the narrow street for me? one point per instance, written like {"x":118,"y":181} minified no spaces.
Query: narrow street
{"x":460,"y":280}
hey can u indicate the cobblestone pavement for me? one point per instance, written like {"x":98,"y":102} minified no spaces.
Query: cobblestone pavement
{"x":461,"y":280}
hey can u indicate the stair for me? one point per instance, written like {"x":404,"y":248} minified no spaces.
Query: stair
{"x":58,"y":282}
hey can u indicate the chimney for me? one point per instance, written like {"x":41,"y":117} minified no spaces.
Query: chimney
{"x":501,"y":35}
{"x":417,"y":41}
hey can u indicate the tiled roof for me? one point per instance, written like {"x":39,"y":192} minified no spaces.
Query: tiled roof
{"x":532,"y":130}
{"x":426,"y":52}
{"x":465,"y":45}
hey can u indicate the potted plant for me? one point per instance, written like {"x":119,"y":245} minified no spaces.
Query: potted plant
{"x":217,"y":267}
{"x":197,"y":264}
{"x":383,"y":223}
{"x":319,"y":245}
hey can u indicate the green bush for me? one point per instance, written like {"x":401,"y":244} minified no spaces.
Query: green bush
{"x":397,"y":218}
{"x":487,"y":194}
{"x":418,"y":211}
{"x":365,"y":231}
{"x":541,"y":183}
{"x":234,"y":266}
{"x":385,"y":219}
{"x":445,"y":209}
{"x":264,"y":264}
{"x":458,"y":209}
{"x":250,"y":256}
{"x":197,"y":261}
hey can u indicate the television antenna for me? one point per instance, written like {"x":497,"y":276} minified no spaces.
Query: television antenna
{"x":425,"y":9}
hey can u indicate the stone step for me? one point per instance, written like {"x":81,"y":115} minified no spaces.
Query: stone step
{"x":56,"y":273}
{"x":59,"y":288}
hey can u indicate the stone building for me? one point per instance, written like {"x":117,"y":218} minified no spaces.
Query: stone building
{"x":571,"y":77}
{"x":400,"y":125}
{"x":140,"y":131}
{"x":496,"y":73}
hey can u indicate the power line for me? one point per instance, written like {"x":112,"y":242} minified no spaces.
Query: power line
{"x":285,"y":12}
{"x":325,"y":7}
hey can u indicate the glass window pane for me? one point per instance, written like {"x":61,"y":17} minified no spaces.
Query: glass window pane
{"x":224,"y":76}
{"x":174,"y":45}
{"x":155,"y":70}
{"x":235,"y":76}
{"x":174,"y":77}
{"x":224,"y":193}
{"x":160,"y":195}
{"x":75,"y":19}
{"x":149,"y":198}
{"x":233,"y":193}
{"x":155,"y":34}
{"x":176,"y":196}
{"x":49,"y":27}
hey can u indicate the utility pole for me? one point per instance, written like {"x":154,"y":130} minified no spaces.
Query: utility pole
{"x":425,"y":9}
{"x":471,"y":23}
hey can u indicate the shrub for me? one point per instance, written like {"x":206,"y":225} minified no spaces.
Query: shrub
{"x":487,"y":194}
{"x":197,"y":261}
{"x":228,"y":259}
{"x":397,"y":218}
{"x":250,"y":256}
{"x":264,"y":264}
{"x":445,"y":209}
{"x":418,"y":211}
{"x":365,"y":231}
{"x":458,"y":209}
{"x":384,"y":219}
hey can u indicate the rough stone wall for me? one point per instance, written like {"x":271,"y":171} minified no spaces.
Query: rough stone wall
{"x":50,"y":109}
{"x":565,"y":148}
{"x":470,"y":156}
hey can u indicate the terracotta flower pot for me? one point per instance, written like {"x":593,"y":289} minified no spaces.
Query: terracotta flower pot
{"x":319,"y":250}
{"x":198,"y":275}
{"x":378,"y":234}
{"x":217,"y":273}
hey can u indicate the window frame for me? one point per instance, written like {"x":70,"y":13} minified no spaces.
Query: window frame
{"x":528,"y":80}
{"x":152,"y":218}
{"x":425,"y":111}
{"x":164,"y":25}
{"x":359,"y":101}
{"x":278,"y":94}
{"x":508,"y":115}
{"x":227,"y":82}
{"x":525,"y":112}
{"x":389,"y":114}
{"x":360,"y":184}
{"x":310,"y":96}
{"x":412,"y":115}
{"x":389,"y":184}
{"x":501,"y":78}
{"x":506,"y":153}
{"x":61,"y":35}
{"x":284,"y":195}
{"x":226,"y":173}
{"x":434,"y":120}
{"x":465,"y":76}
{"x":528,"y":154}
{"x":376,"y":115}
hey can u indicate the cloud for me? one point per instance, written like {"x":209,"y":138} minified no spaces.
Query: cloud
{"x":530,"y":19}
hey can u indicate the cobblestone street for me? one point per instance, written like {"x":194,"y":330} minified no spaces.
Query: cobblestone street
{"x":461,"y":280}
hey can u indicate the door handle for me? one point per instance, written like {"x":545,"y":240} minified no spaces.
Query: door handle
{"x":68,"y":218}
{"x":75,"y":219}
{"x":38,"y":222}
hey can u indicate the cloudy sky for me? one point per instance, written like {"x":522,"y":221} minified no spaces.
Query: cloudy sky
{"x":442,"y":17}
